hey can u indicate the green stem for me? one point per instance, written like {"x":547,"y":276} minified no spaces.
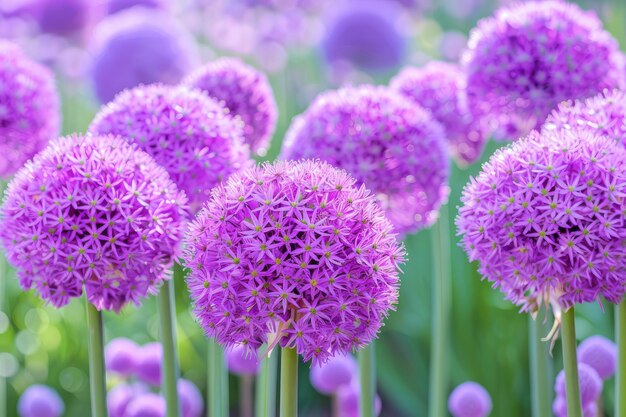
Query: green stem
{"x":570,"y":363}
{"x":540,"y":368}
{"x":288,"y":383}
{"x":367,"y":375}
{"x":265,"y":404}
{"x":4,"y":270}
{"x":440,"y":325}
{"x":620,"y":376}
{"x":223,"y":374}
{"x":214,"y":394}
{"x":246,"y":386}
{"x":167,"y":314}
{"x":96,"y":362}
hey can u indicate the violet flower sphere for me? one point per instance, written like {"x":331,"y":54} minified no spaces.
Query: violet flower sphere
{"x":148,"y":367}
{"x":386,"y":142}
{"x":527,"y":58}
{"x":590,"y":384}
{"x":120,"y":396}
{"x":245,"y":92}
{"x":138,"y":46}
{"x":348,"y":397}
{"x":600,"y":353}
{"x":191,"y":402}
{"x":544,"y":219}
{"x":440,"y":88}
{"x":40,"y":401}
{"x":295,"y":253}
{"x":92,"y":212}
{"x":241,"y":361}
{"x":186,"y":132}
{"x":338,"y":371}
{"x":29,"y":108}
{"x":115,"y":6}
{"x":559,"y":408}
{"x":469,"y":399}
{"x":121,"y":356}
{"x":146,"y":405}
{"x":64,"y":17}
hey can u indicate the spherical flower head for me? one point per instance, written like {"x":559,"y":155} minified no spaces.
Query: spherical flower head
{"x":186,"y":132}
{"x":64,"y":17}
{"x":590,"y":384}
{"x":469,"y":399}
{"x":600,"y":353}
{"x":241,"y":361}
{"x":440,"y":88}
{"x":559,"y":408}
{"x":245,"y":92}
{"x":146,"y":405}
{"x":544,"y":219}
{"x":29,"y":108}
{"x":348,"y":398}
{"x":92,"y":212}
{"x":40,"y":401}
{"x":338,"y":371}
{"x":138,"y":46}
{"x":191,"y":402}
{"x":148,"y":367}
{"x":365,"y":34}
{"x":121,"y":355}
{"x":293,"y":253}
{"x":386,"y":142}
{"x":120,"y":396}
{"x":527,"y":58}
{"x":115,"y":6}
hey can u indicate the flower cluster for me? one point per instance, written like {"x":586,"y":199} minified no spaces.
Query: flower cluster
{"x":600,"y":353}
{"x":590,"y":389}
{"x":469,"y":399}
{"x":545,"y":218}
{"x":92,"y":212}
{"x":440,"y":88}
{"x":29,"y":108}
{"x":522,"y":62}
{"x":386,"y":142}
{"x":293,"y":253}
{"x":245,"y":92}
{"x":40,"y":401}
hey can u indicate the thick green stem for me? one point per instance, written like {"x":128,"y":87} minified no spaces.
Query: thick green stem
{"x":246,"y":386}
{"x":570,"y":363}
{"x":4,"y":270}
{"x":215,"y":364}
{"x":223,"y":371}
{"x":265,"y":403}
{"x":620,"y":376}
{"x":540,"y":368}
{"x":96,"y":362}
{"x":167,"y":314}
{"x":441,"y":306}
{"x":288,"y":383}
{"x":367,"y":375}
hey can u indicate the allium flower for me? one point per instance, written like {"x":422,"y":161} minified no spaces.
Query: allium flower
{"x":64,"y":17}
{"x":522,"y":62}
{"x":120,"y":396}
{"x":149,"y":364}
{"x":29,"y":108}
{"x":348,"y":398}
{"x":440,"y":88}
{"x":40,"y":401}
{"x":139,"y":46}
{"x":186,"y":132}
{"x":600,"y":353}
{"x":293,"y":253}
{"x":469,"y":399}
{"x":590,"y":384}
{"x":245,"y":92}
{"x":388,"y":143}
{"x":191,"y":402}
{"x":115,"y":6}
{"x":544,"y":218}
{"x":92,"y":212}
{"x":121,"y":356}
{"x":241,"y":361}
{"x":559,"y":408}
{"x":338,"y":371}
{"x":146,"y":405}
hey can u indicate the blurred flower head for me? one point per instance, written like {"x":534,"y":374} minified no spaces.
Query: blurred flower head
{"x":191,"y":402}
{"x":600,"y":353}
{"x":338,"y":371}
{"x":121,"y":395}
{"x":146,"y":405}
{"x":40,"y":401}
{"x":241,"y":361}
{"x":64,"y":17}
{"x":469,"y":399}
{"x":590,"y":384}
{"x":115,"y":6}
{"x":121,"y":355}
{"x":148,"y":367}
{"x":348,"y":398}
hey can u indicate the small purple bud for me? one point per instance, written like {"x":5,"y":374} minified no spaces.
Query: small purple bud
{"x":590,"y":384}
{"x":328,"y":377}
{"x":40,"y":401}
{"x":348,"y":397}
{"x":146,"y":405}
{"x":241,"y":361}
{"x":120,"y":396}
{"x":121,"y":356}
{"x":469,"y":399}
{"x":191,"y":402}
{"x":600,"y":353}
{"x":149,"y":364}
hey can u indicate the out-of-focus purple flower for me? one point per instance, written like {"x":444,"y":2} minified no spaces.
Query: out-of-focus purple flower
{"x":440,"y":88}
{"x":529,"y":57}
{"x":544,"y":219}
{"x":390,"y":144}
{"x":241,"y":361}
{"x":186,"y":132}
{"x":63,"y":17}
{"x":590,"y":385}
{"x":559,"y":408}
{"x":600,"y":353}
{"x":115,"y":6}
{"x":148,"y":367}
{"x":294,"y":253}
{"x":338,"y":371}
{"x":469,"y":399}
{"x":366,"y":34}
{"x":29,"y":108}
{"x":40,"y":401}
{"x":120,"y":396}
{"x":452,"y":44}
{"x":191,"y":402}
{"x":146,"y":405}
{"x":348,"y":398}
{"x":138,"y":46}
{"x":92,"y":212}
{"x":245,"y":92}
{"x":121,"y":356}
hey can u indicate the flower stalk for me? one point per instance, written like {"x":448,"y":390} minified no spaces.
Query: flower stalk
{"x":288,"y":383}
{"x":97,"y":379}
{"x":620,"y":377}
{"x":540,"y":368}
{"x":570,"y":363}
{"x":265,"y":404}
{"x":367,"y":375}
{"x":216,"y":368}
{"x":167,"y":316}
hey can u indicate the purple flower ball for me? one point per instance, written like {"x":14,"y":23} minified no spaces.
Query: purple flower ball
{"x":600,"y":353}
{"x":65,"y":17}
{"x":559,"y":408}
{"x":544,"y":219}
{"x":590,"y":384}
{"x":469,"y":399}
{"x":365,"y":34}
{"x":40,"y":401}
{"x":527,"y":58}
{"x":191,"y":402}
{"x":121,"y":356}
{"x":338,"y":371}
{"x":138,"y":46}
{"x":440,"y":88}
{"x":120,"y":396}
{"x":115,"y":6}
{"x":148,"y":367}
{"x":295,"y":253}
{"x":92,"y":212}
{"x":245,"y":92}
{"x":241,"y":361}
{"x":146,"y":405}
{"x":186,"y":132}
{"x":29,"y":108}
{"x":387,"y":142}
{"x":348,"y":398}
